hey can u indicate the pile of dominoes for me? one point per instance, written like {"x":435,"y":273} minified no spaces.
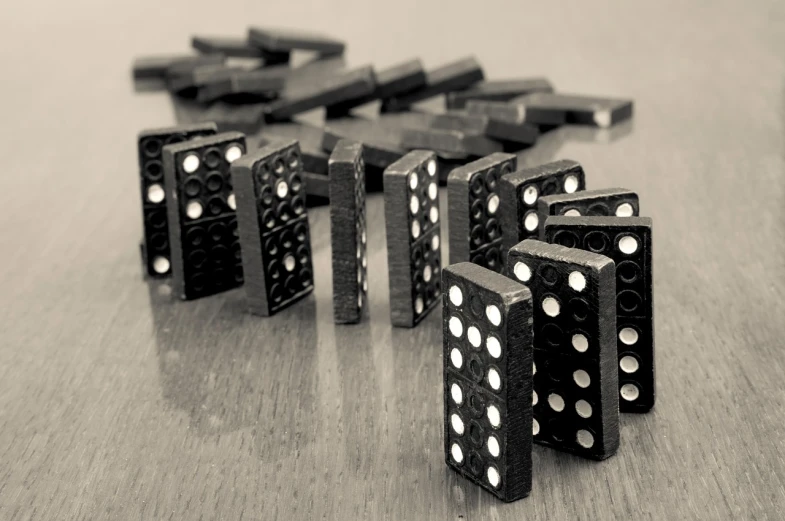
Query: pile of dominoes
{"x":547,"y":303}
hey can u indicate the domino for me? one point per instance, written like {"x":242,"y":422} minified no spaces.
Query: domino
{"x":474,"y":200}
{"x":517,"y":133}
{"x":580,"y":110}
{"x":395,"y":80}
{"x":316,"y":186}
{"x":627,"y":241}
{"x":286,"y":40}
{"x":457,"y":75}
{"x":248,"y":118}
{"x":575,"y":399}
{"x":273,"y":225}
{"x":348,"y":232}
{"x":411,"y":209}
{"x":156,"y":67}
{"x":333,"y":89}
{"x":521,"y":190}
{"x":381,"y":137}
{"x":156,"y":252}
{"x":237,"y":48}
{"x":609,"y":201}
{"x":514,"y":112}
{"x":243,"y":85}
{"x":310,"y":138}
{"x":201,"y":212}
{"x":450,"y":144}
{"x":188,"y":83}
{"x":488,"y":360}
{"x":497,"y":90}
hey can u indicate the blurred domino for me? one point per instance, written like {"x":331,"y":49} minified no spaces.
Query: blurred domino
{"x":156,"y":252}
{"x":497,"y":90}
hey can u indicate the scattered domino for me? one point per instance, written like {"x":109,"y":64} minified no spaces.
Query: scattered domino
{"x":514,"y":112}
{"x":626,"y":240}
{"x":581,"y":110}
{"x":576,"y":404}
{"x":521,"y":190}
{"x":247,"y":119}
{"x":333,"y":89}
{"x":286,"y":40}
{"x":516,"y":134}
{"x":348,"y":232}
{"x":255,"y":85}
{"x":497,"y":90}
{"x":474,"y":202}
{"x":411,"y":209}
{"x":609,"y":201}
{"x":156,"y":67}
{"x":457,"y":75}
{"x":449,"y":144}
{"x":188,"y":83}
{"x":273,"y":224}
{"x":237,"y":48}
{"x":201,"y":211}
{"x":393,"y":81}
{"x":156,"y":252}
{"x":487,"y":339}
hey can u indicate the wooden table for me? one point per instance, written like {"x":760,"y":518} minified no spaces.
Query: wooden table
{"x":117,"y":402}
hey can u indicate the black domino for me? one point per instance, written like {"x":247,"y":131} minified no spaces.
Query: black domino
{"x":497,"y":90}
{"x":156,"y":253}
{"x":507,"y":133}
{"x":575,"y":400}
{"x":286,"y":40}
{"x":310,"y":139}
{"x":273,"y":222}
{"x":245,"y":85}
{"x":247,"y":118}
{"x":411,"y":209}
{"x":237,"y":48}
{"x":201,"y":210}
{"x":348,"y":232}
{"x":608,"y":201}
{"x":626,"y":240}
{"x":333,"y":89}
{"x":188,"y":83}
{"x":453,"y":76}
{"x":514,"y":112}
{"x":488,"y":360}
{"x":521,"y":190}
{"x":396,"y":80}
{"x":580,"y":110}
{"x":156,"y":67}
{"x":449,"y":144}
{"x":474,"y":202}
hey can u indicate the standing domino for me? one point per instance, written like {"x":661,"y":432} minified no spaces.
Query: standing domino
{"x":276,"y":242}
{"x":626,"y":240}
{"x":348,"y":231}
{"x":521,"y":190}
{"x":608,"y":201}
{"x":411,"y":209}
{"x":488,"y":379}
{"x":156,"y":253}
{"x":201,"y":210}
{"x":576,"y":405}
{"x":473,"y":202}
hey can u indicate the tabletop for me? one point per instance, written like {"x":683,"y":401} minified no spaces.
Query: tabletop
{"x":119,"y":402}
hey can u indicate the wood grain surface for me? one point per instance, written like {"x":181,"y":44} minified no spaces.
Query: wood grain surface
{"x":118,"y":402}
